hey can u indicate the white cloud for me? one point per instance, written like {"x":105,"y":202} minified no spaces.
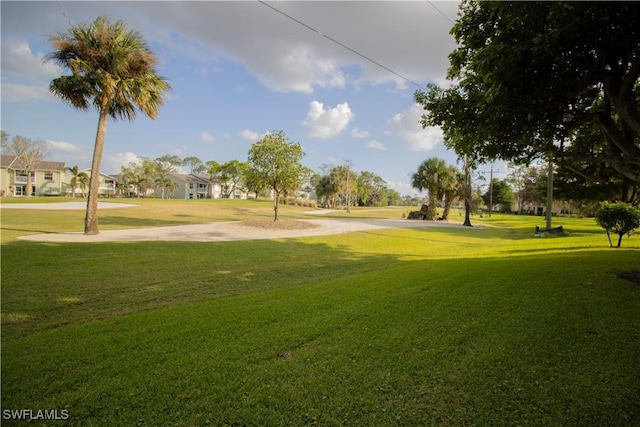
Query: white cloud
{"x":376,"y":145}
{"x":25,"y":75}
{"x":207,"y":137}
{"x":112,"y":164}
{"x":19,"y":60}
{"x":407,"y":125}
{"x":249,"y":135}
{"x":324,"y":123}
{"x":65,"y":147}
{"x":283,"y":55}
{"x":299,"y":70}
{"x":359,"y":133}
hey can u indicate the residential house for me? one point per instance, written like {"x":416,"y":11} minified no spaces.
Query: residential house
{"x":188,"y":186}
{"x":106,"y":186}
{"x":46,"y":180}
{"x":197,"y":186}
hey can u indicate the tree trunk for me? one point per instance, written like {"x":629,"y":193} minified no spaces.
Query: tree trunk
{"x":29,"y":184}
{"x":549,"y":193}
{"x":431,"y":209}
{"x":91,"y":217}
{"x":276,"y":201}
{"x":467,"y":216}
{"x":447,"y":209}
{"x":467,"y":194}
{"x":620,"y":239}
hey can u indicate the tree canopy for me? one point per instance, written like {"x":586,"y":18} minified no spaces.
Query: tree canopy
{"x":274,"y":163}
{"x":229,"y":175}
{"x":618,"y":218}
{"x":539,"y":79}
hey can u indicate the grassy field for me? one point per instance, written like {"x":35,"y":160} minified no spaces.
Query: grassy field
{"x":425,"y":326}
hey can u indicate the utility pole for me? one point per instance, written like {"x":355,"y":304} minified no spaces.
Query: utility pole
{"x":348,"y":164}
{"x":491,"y":191}
{"x":490,"y":188}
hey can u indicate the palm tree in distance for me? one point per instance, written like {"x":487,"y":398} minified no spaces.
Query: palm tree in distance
{"x":166,"y":185}
{"x":113,"y":69}
{"x":78,"y":179}
{"x":140,"y":183}
{"x":430,"y":177}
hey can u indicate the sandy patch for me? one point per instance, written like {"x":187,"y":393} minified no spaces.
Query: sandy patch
{"x":280,"y":225}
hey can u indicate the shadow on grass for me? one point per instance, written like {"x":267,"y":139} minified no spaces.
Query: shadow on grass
{"x":28,"y":230}
{"x":492,"y":336}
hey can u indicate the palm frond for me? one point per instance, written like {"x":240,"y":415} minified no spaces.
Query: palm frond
{"x":106,"y":58}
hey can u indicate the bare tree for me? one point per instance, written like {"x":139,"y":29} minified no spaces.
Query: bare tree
{"x":29,"y":154}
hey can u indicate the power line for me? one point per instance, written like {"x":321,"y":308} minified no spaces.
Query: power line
{"x":343,"y":45}
{"x":440,"y":12}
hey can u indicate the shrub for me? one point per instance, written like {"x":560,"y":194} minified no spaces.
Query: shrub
{"x":617,"y":218}
{"x":292,"y":201}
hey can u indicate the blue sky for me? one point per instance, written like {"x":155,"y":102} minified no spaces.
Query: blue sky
{"x":241,"y":69}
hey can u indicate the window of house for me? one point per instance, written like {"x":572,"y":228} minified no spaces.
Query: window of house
{"x":191,"y":185}
{"x":48,"y":176}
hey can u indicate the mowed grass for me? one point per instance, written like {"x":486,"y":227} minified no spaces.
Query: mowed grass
{"x":424,"y":326}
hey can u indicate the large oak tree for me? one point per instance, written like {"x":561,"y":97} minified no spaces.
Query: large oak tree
{"x":545,"y":79}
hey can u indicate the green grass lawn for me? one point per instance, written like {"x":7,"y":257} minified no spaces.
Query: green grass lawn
{"x":424,"y":326}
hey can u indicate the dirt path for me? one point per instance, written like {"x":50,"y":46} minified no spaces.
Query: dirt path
{"x":237,"y":230}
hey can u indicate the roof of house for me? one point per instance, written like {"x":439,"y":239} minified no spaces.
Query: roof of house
{"x":12,"y":162}
{"x":192,"y":177}
{"x":106,"y":175}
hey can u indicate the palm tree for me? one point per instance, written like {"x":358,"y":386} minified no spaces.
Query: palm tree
{"x":121,"y":187}
{"x":166,"y":185}
{"x":113,"y":69}
{"x":78,"y":179}
{"x":170,"y":187}
{"x":139,"y":182}
{"x":428,"y":178}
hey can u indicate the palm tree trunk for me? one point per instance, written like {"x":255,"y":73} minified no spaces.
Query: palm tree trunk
{"x":431,"y":209}
{"x":91,"y":217}
{"x":448,"y":201}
